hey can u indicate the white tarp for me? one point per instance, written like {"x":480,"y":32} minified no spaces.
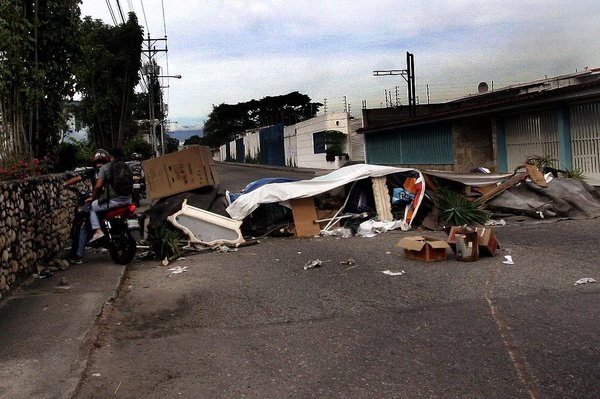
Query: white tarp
{"x":279,"y":192}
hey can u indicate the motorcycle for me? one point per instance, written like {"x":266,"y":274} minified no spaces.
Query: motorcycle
{"x":120,"y":225}
{"x":139,"y":189}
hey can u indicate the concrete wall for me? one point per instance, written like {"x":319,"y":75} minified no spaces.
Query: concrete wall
{"x":306,"y":158}
{"x":473,"y":144}
{"x":35,"y":217}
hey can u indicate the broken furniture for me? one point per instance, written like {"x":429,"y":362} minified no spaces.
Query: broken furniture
{"x":206,"y":228}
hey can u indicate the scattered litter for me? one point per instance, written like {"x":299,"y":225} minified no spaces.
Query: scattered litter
{"x":96,"y":375}
{"x":64,"y":281}
{"x":165,"y":261}
{"x":181,"y":258}
{"x":371,"y":228}
{"x":349,"y":262}
{"x":314,"y":263}
{"x":585,"y":280}
{"x":225,"y":248}
{"x":391,"y":273}
{"x":509,"y":260}
{"x":388,"y":252}
{"x":178,"y":270}
{"x":342,"y":232}
{"x":43,"y":274}
{"x":499,"y":222}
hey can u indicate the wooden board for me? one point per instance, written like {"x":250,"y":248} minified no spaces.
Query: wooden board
{"x":305,"y":214}
{"x":382,"y":199}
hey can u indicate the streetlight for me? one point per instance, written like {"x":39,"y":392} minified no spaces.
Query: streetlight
{"x":169,"y":76}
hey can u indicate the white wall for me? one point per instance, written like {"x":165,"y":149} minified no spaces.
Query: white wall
{"x":305,"y":146}
{"x":290,"y":144}
{"x":252,"y":143}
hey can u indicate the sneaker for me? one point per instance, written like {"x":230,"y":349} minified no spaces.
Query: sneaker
{"x":76,"y":261}
{"x":98,"y":235}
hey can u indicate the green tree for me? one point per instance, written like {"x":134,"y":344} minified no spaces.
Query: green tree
{"x":107,"y":77}
{"x":193,"y":140}
{"x":139,"y":145}
{"x":226,"y":121}
{"x":171,"y":144}
{"x":38,"y":48}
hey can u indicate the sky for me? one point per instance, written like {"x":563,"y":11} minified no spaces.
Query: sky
{"x":232,"y":51}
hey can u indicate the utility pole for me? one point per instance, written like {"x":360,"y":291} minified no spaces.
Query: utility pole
{"x":409,"y":76}
{"x":152,"y":71}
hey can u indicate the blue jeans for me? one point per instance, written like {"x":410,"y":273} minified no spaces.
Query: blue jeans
{"x":96,"y":207}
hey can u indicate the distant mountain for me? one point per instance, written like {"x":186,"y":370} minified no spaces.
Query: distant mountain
{"x":183,"y":135}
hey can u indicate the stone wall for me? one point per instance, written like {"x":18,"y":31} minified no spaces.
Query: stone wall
{"x":35,"y":217}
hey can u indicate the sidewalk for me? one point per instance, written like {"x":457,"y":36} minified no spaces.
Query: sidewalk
{"x":49,"y":328}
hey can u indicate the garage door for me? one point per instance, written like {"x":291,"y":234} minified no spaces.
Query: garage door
{"x":531,"y":134}
{"x":585,"y":140}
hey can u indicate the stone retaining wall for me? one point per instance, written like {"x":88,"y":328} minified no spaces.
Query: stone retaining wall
{"x":35,"y":217}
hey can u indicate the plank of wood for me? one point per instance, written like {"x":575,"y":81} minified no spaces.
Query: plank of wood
{"x":536,"y":175}
{"x":382,"y":198}
{"x":513,"y":180}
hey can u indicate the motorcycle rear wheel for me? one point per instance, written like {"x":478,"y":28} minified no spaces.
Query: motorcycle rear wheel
{"x":122,"y":251}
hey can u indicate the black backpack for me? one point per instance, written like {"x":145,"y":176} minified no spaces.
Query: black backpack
{"x":120,"y":178}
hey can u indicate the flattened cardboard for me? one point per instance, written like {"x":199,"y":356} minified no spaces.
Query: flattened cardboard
{"x":427,"y":249}
{"x":305,"y":214}
{"x":486,"y":240}
{"x":179,"y":171}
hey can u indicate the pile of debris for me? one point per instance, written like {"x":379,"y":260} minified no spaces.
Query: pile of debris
{"x":359,"y":199}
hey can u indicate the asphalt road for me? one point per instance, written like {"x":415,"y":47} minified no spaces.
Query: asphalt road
{"x":255,"y":324}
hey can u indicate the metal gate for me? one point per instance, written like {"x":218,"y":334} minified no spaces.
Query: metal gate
{"x":585,"y":139}
{"x":272,"y":148}
{"x":240,"y":151}
{"x":531,"y":134}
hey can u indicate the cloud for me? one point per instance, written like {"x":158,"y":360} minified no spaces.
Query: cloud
{"x":231,"y":51}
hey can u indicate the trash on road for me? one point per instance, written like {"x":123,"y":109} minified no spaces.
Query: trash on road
{"x":311,"y":264}
{"x":427,"y":249}
{"x":225,"y":249}
{"x":585,"y":280}
{"x":509,"y":260}
{"x":178,"y":270}
{"x":349,"y":262}
{"x":391,"y":273}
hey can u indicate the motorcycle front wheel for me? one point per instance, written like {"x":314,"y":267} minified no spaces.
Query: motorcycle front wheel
{"x":122,"y":251}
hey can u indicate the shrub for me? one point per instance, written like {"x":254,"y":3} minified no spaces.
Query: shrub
{"x":458,"y":211}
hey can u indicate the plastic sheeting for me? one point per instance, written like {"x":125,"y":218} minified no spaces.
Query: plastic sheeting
{"x":245,"y":204}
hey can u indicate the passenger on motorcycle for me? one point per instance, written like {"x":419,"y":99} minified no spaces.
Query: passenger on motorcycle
{"x":104,"y":195}
{"x":136,"y":164}
{"x":139,"y":181}
{"x":100,"y":157}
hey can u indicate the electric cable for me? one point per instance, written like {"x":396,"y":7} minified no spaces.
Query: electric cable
{"x":111,"y":12}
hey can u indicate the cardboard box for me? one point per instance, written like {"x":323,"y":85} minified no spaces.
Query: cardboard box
{"x":427,"y":249}
{"x":486,"y":240}
{"x":179,"y":171}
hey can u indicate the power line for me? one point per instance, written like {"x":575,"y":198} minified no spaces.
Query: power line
{"x":111,"y":12}
{"x":120,"y":11}
{"x":145,"y":20}
{"x":163,"y":17}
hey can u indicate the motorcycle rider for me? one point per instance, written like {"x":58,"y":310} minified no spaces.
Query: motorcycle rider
{"x":138,"y":176}
{"x":100,"y":157}
{"x":103,"y":196}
